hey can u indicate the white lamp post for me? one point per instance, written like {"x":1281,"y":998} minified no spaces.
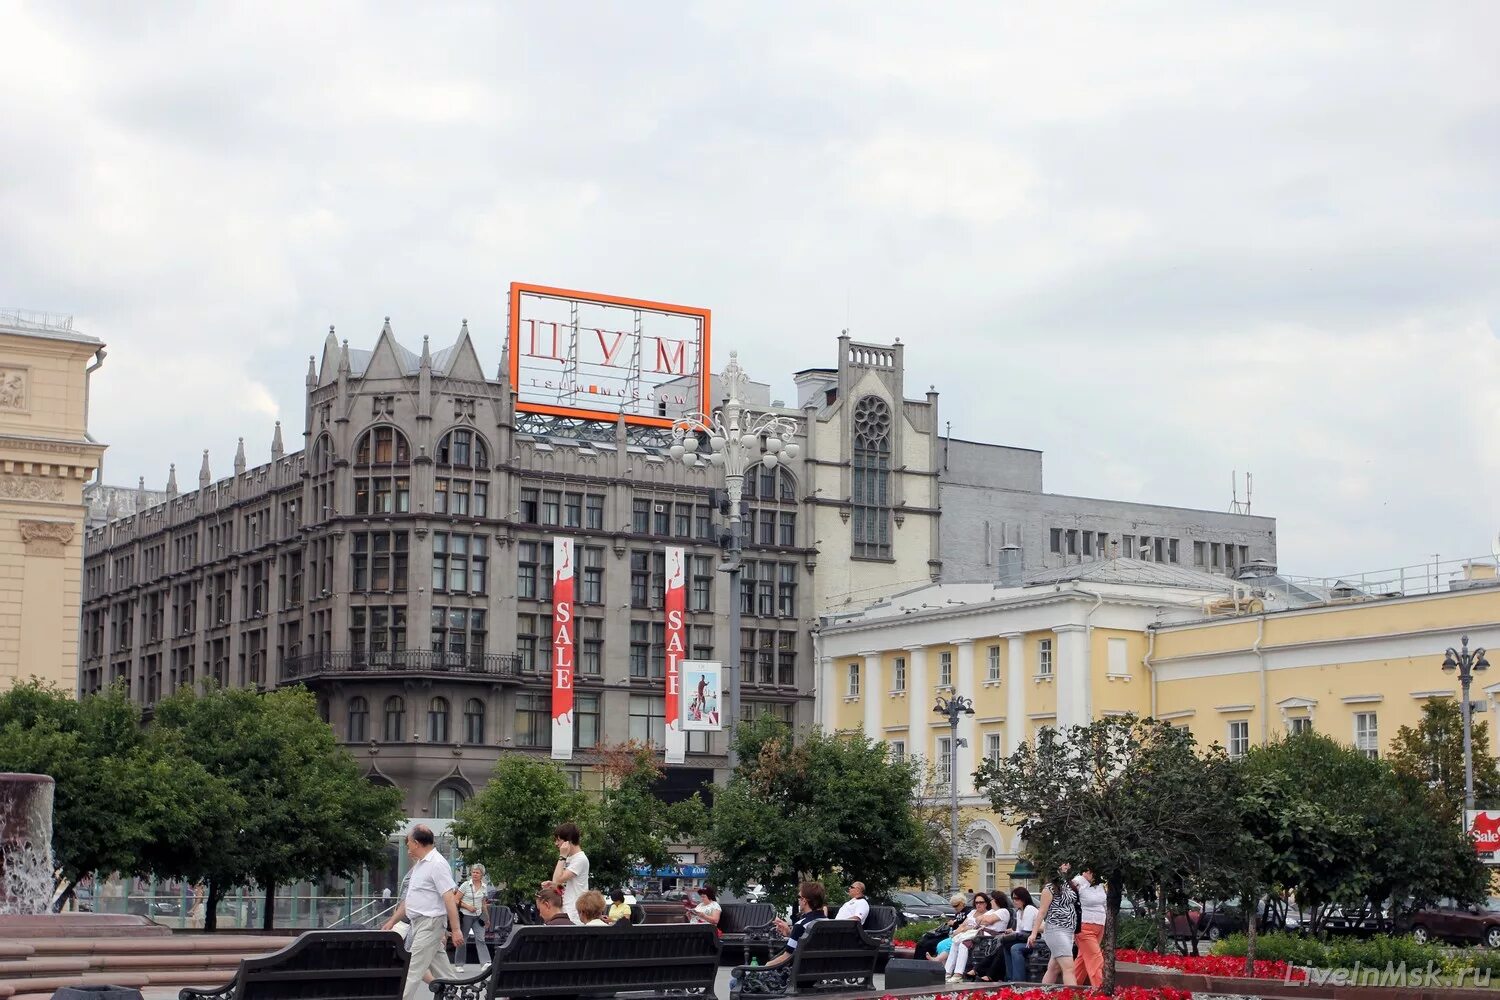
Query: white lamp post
{"x":737,"y":441}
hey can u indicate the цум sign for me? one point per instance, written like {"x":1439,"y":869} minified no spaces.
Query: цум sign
{"x":1484,"y":827}
{"x":580,"y":354}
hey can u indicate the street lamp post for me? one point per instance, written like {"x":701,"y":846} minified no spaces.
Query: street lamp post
{"x":953,"y":708}
{"x":736,"y":442}
{"x":1467,"y":664}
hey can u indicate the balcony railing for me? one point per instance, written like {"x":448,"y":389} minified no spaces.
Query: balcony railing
{"x":343,"y":663}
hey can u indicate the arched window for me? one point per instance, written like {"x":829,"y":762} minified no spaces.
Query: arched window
{"x":466,"y":492}
{"x":988,"y":857}
{"x":395,"y":719}
{"x":322,"y":455}
{"x":437,"y":720}
{"x":382,"y":446}
{"x":473,"y":721}
{"x":871,"y":499}
{"x":359,"y":719}
{"x":381,"y":490}
{"x":446,"y":801}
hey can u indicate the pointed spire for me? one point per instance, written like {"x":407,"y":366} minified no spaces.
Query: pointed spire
{"x":204,"y":476}
{"x":463,"y":330}
{"x":312,"y":370}
{"x":110,"y":507}
{"x":140,"y":494}
{"x":426,"y":353}
{"x":278,"y":451}
{"x":344,"y":366}
{"x":387,"y":328}
{"x":239,"y":458}
{"x":504,"y":373}
{"x":172,"y":480}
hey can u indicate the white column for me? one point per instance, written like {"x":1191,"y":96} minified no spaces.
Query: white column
{"x":871,"y":696}
{"x":1071,"y":675}
{"x":1015,"y":691}
{"x":918,"y":703}
{"x":967,"y":731}
{"x":827,"y":696}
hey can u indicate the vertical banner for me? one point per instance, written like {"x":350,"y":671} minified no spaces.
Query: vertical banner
{"x":676,"y":639}
{"x":703,"y":683}
{"x":562,"y":649}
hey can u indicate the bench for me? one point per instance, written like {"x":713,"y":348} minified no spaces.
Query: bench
{"x":747,"y":928}
{"x":833,"y":956}
{"x":881,"y":923}
{"x":320,"y":965}
{"x":676,"y":959}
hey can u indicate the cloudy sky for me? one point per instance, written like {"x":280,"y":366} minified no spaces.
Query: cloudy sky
{"x":1159,"y":241}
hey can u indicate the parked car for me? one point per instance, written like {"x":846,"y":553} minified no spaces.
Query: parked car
{"x":915,"y":906}
{"x":1446,"y":920}
{"x":1214,"y":920}
{"x":1356,"y":918}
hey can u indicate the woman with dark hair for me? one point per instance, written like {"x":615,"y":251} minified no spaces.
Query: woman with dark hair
{"x":708,"y":909}
{"x":981,"y":922}
{"x":990,"y":954}
{"x":1059,"y":917}
{"x":1015,"y":944}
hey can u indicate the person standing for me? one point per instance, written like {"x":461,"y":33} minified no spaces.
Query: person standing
{"x":856,"y":907}
{"x":1056,"y":927}
{"x":570,"y":876}
{"x":473,"y":899}
{"x":1092,"y":898}
{"x":430,"y":904}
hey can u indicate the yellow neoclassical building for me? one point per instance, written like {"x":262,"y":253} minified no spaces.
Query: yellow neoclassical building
{"x":1234,"y":660}
{"x":46,"y":456}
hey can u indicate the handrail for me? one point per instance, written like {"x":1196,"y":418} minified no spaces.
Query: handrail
{"x":404,"y":661}
{"x":350,"y":917}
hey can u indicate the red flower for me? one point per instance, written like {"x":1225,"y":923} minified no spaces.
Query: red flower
{"x":1225,"y":966}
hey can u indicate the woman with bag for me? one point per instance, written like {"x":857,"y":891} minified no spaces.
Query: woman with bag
{"x":989,"y":950}
{"x":473,"y":899}
{"x":978,"y":924}
{"x":1059,"y":918}
{"x":1014,"y":944}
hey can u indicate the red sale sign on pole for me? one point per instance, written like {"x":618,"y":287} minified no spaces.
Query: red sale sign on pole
{"x":562,"y":649}
{"x":676,"y":637}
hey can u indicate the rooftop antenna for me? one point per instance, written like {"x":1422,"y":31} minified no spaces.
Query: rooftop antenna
{"x":1235,"y":504}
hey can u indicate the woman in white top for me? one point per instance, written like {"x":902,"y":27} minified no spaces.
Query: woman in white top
{"x":982,"y":921}
{"x":708,"y":909}
{"x":1091,"y":900}
{"x":1015,"y":951}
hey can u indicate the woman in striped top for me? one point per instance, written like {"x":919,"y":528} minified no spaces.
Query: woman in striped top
{"x":1059,"y":917}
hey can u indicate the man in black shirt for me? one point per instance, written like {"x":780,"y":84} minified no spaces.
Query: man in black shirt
{"x":811,"y":898}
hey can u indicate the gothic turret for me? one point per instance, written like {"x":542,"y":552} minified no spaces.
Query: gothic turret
{"x":239,"y":458}
{"x":278,"y":451}
{"x":204,"y":476}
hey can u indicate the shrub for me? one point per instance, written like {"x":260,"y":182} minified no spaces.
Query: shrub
{"x":1379,"y":951}
{"x":1138,"y":933}
{"x":1277,"y":947}
{"x":912,"y":931}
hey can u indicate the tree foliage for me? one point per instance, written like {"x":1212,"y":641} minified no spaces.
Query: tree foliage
{"x":509,"y":823}
{"x":830,"y":807}
{"x":299,"y":808}
{"x":116,"y":798}
{"x":1350,"y":830}
{"x":1131,"y":799}
{"x":1431,"y":753}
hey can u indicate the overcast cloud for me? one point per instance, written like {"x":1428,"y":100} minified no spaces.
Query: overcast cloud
{"x":1159,"y":241}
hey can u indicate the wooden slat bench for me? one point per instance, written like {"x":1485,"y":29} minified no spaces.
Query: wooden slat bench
{"x":320,"y":965}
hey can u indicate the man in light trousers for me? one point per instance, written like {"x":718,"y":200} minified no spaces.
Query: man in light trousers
{"x":431,"y":905}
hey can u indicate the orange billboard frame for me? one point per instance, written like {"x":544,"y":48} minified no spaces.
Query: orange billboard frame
{"x":513,"y":334}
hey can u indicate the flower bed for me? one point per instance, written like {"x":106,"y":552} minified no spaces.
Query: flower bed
{"x":1225,"y":966}
{"x":1066,"y":993}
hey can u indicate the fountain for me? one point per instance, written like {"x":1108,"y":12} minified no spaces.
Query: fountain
{"x":26,"y":872}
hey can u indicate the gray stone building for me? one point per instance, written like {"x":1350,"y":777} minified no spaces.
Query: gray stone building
{"x":399,"y":566}
{"x":996,"y":518}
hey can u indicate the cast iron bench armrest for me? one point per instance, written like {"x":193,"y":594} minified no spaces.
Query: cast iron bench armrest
{"x":213,"y":993}
{"x":473,"y":987}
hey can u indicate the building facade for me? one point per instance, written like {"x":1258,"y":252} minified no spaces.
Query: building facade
{"x":992,"y":501}
{"x":1236,"y":661}
{"x":46,"y":457}
{"x":400,"y":564}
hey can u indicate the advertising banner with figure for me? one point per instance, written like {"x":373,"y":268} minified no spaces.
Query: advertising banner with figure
{"x":562,"y":649}
{"x":1484,"y":827}
{"x":705,"y":696}
{"x":676,"y":644}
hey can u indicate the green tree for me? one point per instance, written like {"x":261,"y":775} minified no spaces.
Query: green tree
{"x":830,"y":807}
{"x":509,"y":823}
{"x":934,"y":810}
{"x":1432,"y":754}
{"x":1361,"y":833}
{"x":1129,"y":798}
{"x":116,"y":799}
{"x":626,"y":824}
{"x":307,"y":811}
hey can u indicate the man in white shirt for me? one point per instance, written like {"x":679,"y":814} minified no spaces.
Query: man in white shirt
{"x":570,"y":876}
{"x":857,"y":907}
{"x":431,"y":905}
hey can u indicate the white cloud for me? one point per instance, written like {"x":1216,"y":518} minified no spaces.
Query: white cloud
{"x":1161,"y":242}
